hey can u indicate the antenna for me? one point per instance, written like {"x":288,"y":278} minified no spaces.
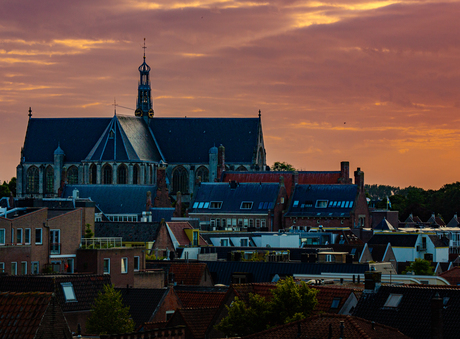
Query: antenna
{"x":114,"y":106}
{"x":144,"y":48}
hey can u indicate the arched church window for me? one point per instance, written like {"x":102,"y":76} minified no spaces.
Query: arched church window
{"x":261,"y":158}
{"x":93,"y":174}
{"x":32,"y":180}
{"x":122,"y":175}
{"x":136,"y":175}
{"x":49,"y":180}
{"x":203,"y":173}
{"x":107,"y":171}
{"x":72,"y":175}
{"x":180,"y":180}
{"x":241,"y":169}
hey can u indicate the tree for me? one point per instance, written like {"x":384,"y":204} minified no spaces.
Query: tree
{"x":282,"y":166}
{"x":88,"y":232}
{"x":108,"y":315}
{"x":290,"y":301}
{"x":7,"y":188}
{"x":419,"y":267}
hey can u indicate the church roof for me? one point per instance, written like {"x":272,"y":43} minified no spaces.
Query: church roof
{"x":76,"y":137}
{"x":188,"y":140}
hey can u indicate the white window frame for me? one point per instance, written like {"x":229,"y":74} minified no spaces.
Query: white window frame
{"x":2,"y":230}
{"x":393,"y":300}
{"x":27,"y":231}
{"x":15,"y":272}
{"x":138,"y":258}
{"x":41,"y":236}
{"x":246,"y":205}
{"x":19,"y":231}
{"x":69,"y":292}
{"x":32,"y":264}
{"x":124,"y":263}
{"x":169,"y":314}
{"x":215,"y":205}
{"x":108,"y":266}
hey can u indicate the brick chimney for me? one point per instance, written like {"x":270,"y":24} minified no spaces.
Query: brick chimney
{"x":359,"y":180}
{"x":345,"y":172}
{"x":295,"y":178}
{"x":178,"y":209}
{"x":162,"y":195}
{"x":220,"y":162}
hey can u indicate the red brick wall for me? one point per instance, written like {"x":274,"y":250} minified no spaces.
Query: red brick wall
{"x":280,"y":206}
{"x":149,"y":279}
{"x":163,"y":240}
{"x":70,"y":225}
{"x":170,"y":302}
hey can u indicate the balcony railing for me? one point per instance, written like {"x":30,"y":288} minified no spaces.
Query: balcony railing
{"x":99,"y":243}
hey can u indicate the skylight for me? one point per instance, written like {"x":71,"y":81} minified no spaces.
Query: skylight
{"x":69,"y":293}
{"x":296,"y":203}
{"x":335,"y":303}
{"x":206,"y":205}
{"x":393,"y":300}
{"x":195,"y":205}
{"x":201,"y":205}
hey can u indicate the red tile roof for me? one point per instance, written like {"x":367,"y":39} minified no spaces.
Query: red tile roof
{"x":327,"y":294}
{"x":318,"y":327}
{"x":191,"y":299}
{"x":263,"y":289}
{"x":188,"y":273}
{"x":197,"y":320}
{"x":452,"y":275}
{"x":177,"y":228}
{"x":21,"y":313}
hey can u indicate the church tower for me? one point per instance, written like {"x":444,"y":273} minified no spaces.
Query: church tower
{"x":144,"y":99}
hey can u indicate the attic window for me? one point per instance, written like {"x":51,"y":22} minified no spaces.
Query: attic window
{"x":296,"y":203}
{"x":195,"y":205}
{"x":351,"y":204}
{"x":201,"y":205}
{"x":246,"y":205}
{"x":271,"y":205}
{"x":335,"y":302}
{"x":321,"y":203}
{"x":393,"y":300}
{"x":353,"y":251}
{"x":309,"y":203}
{"x":69,"y":293}
{"x":206,"y":205}
{"x":216,"y":205}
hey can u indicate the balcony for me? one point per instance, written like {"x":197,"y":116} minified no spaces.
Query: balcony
{"x":100,"y":243}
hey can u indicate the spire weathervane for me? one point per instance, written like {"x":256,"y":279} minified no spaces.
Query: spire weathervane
{"x":144,"y":48}
{"x":114,"y":106}
{"x":30,"y":112}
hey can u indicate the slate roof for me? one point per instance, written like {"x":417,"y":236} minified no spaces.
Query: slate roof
{"x":304,"y":201}
{"x":413,"y":314}
{"x":262,"y":195}
{"x":86,"y":287}
{"x":200,"y":299}
{"x":22,"y":313}
{"x":142,"y":302}
{"x":197,"y":320}
{"x":378,"y":251}
{"x":239,"y":136}
{"x":129,"y":231}
{"x":454,"y":221}
{"x":318,"y":327}
{"x":384,"y":225}
{"x":165,"y":213}
{"x":221,"y":271}
{"x":177,"y":229}
{"x":396,"y":240}
{"x":67,"y":132}
{"x":114,"y":199}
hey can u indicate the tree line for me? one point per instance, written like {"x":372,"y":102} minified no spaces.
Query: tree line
{"x":444,"y":202}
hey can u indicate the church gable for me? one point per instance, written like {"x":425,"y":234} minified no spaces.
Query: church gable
{"x":75,"y":135}
{"x":187,"y":140}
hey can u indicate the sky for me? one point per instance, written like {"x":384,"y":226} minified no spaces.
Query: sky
{"x":375,"y":83}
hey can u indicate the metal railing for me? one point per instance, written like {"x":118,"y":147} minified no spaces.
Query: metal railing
{"x":98,"y":243}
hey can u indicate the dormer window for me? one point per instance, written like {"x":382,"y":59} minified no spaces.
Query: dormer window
{"x":215,"y":205}
{"x":321,"y":203}
{"x":246,"y":205}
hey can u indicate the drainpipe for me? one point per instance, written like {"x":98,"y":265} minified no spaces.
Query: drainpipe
{"x":49,"y":249}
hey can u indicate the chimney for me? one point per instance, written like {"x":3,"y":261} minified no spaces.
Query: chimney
{"x":148,"y":202}
{"x":359,"y":180}
{"x":436,"y":316}
{"x":372,"y":281}
{"x":178,"y":208}
{"x":162,"y":195}
{"x":345,"y":172}
{"x":220,"y":162}
{"x":295,"y":178}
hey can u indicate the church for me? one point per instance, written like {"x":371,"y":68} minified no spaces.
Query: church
{"x":129,"y":150}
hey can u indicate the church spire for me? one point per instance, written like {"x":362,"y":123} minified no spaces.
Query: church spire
{"x":144,"y":99}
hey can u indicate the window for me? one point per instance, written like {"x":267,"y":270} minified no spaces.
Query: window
{"x":107,"y":175}
{"x":251,"y":223}
{"x":93,"y":174}
{"x":38,"y":236}
{"x":169,"y":314}
{"x":246,"y":205}
{"x":200,"y":205}
{"x":124,"y":265}
{"x":393,"y":300}
{"x":262,"y":222}
{"x":246,"y":223}
{"x":23,"y":267}
{"x":69,"y":292}
{"x":203,"y":174}
{"x":34,"y":267}
{"x":27,"y":236}
{"x":12,"y":236}
{"x":223,"y":222}
{"x":55,"y":241}
{"x":135,"y":175}
{"x":257,"y":223}
{"x":195,"y":239}
{"x":49,"y":180}
{"x":19,"y":236}
{"x":180,"y":180}
{"x":213,"y":222}
{"x":106,"y":266}
{"x":296,"y":203}
{"x":215,"y":205}
{"x":195,"y":205}
{"x":122,"y":177}
{"x":14,"y":268}
{"x":136,"y":263}
{"x":2,"y":236}
{"x":2,"y":267}
{"x":336,"y":302}
{"x":244,"y":242}
{"x":72,"y":175}
{"x":240,"y":223}
{"x":32,"y":180}
{"x":321,"y":203}
{"x":223,"y":242}
{"x":70,"y":266}
{"x":206,"y":205}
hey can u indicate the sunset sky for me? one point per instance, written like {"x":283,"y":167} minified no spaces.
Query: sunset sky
{"x":375,"y":83}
